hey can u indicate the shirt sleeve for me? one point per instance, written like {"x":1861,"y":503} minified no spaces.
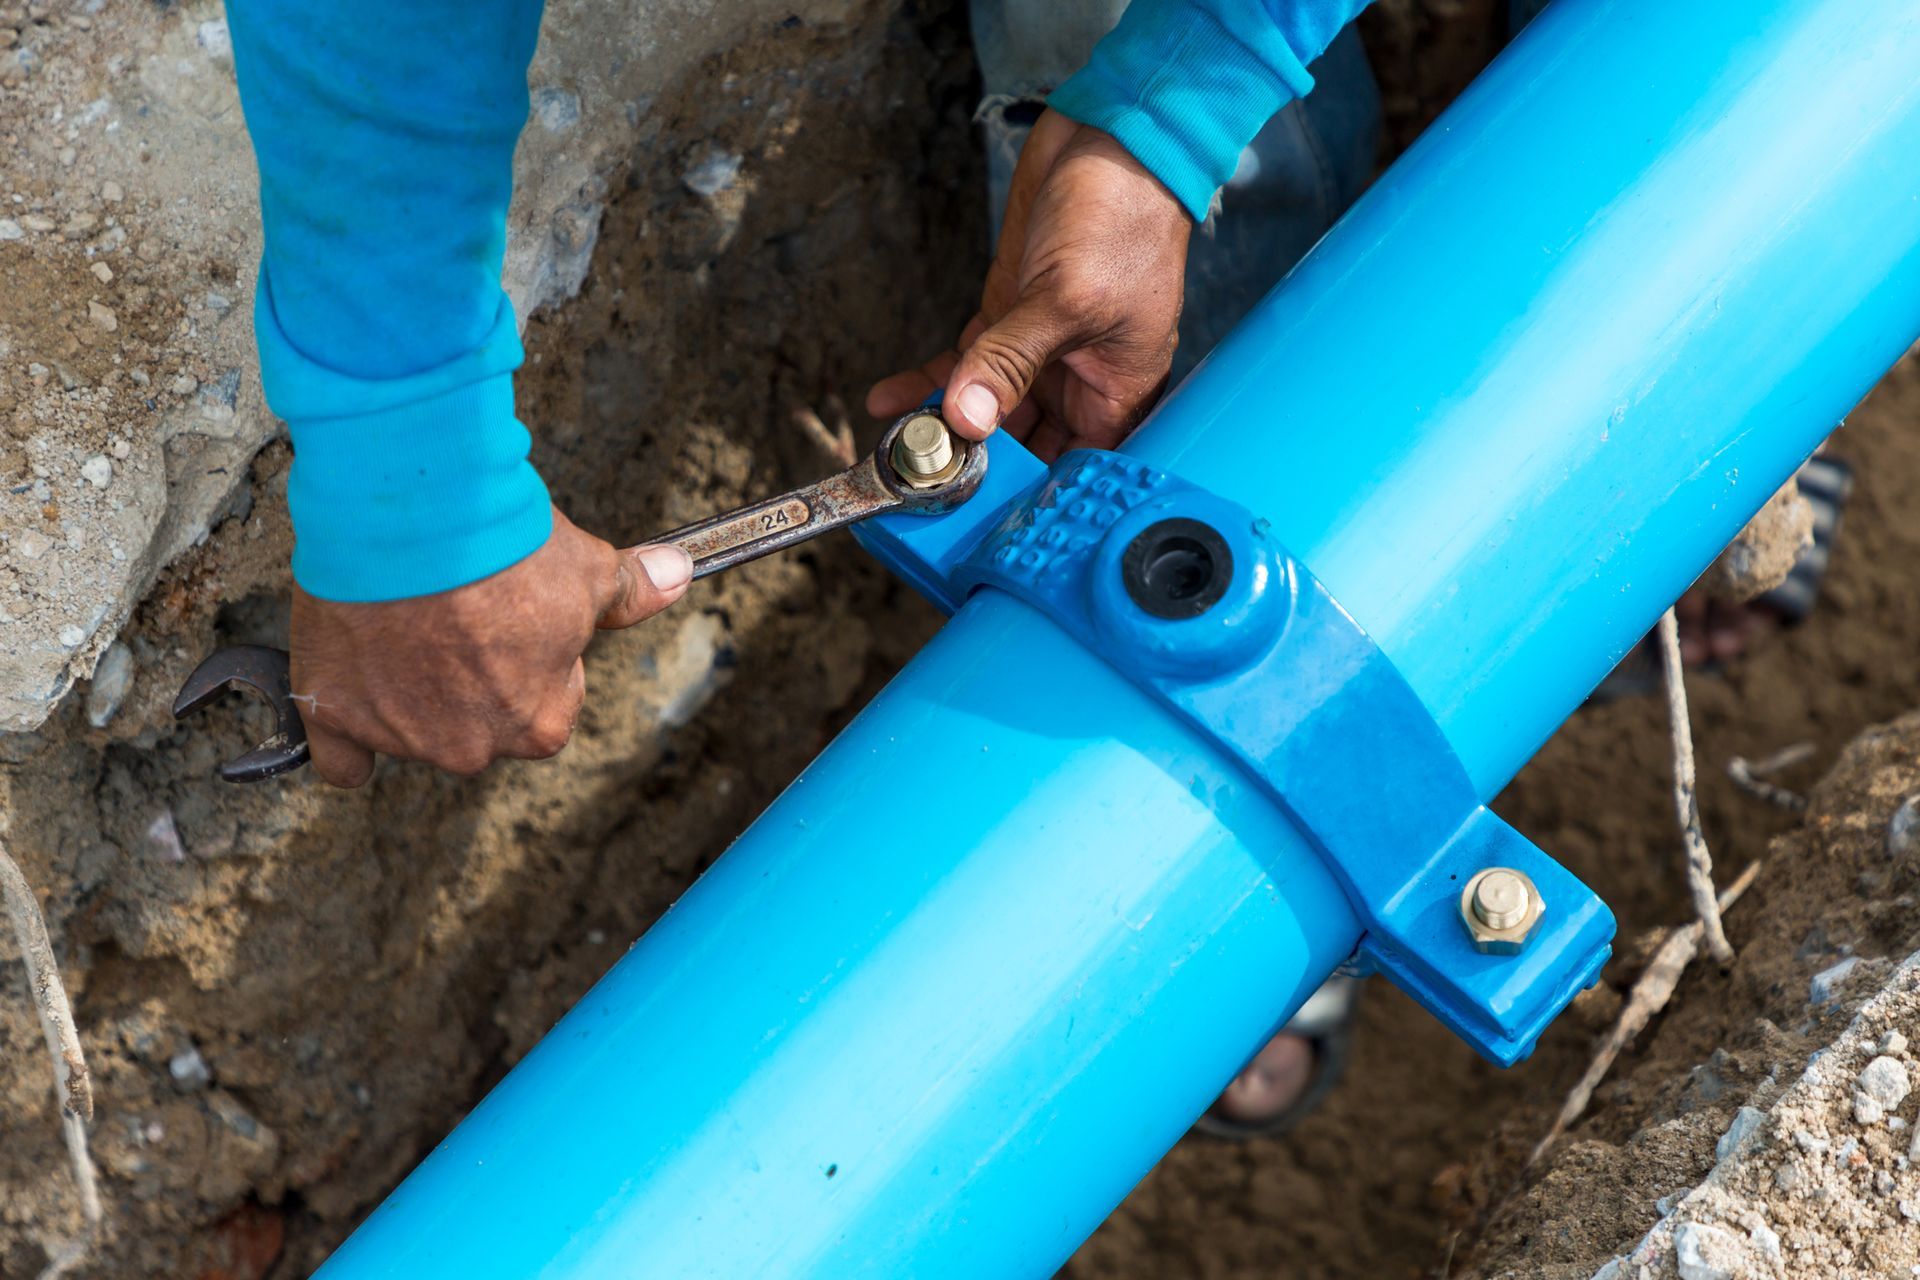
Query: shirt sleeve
{"x":385,"y":134}
{"x":1185,"y":84}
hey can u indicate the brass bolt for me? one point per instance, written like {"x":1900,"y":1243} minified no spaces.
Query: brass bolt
{"x":923,"y":451}
{"x":1500,"y":907}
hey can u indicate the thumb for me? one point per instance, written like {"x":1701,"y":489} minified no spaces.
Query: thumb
{"x":998,"y":369}
{"x":649,"y":579}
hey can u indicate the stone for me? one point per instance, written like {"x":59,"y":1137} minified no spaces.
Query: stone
{"x":184,"y":384}
{"x":713,"y":174}
{"x":189,"y":1070}
{"x":1826,"y":984}
{"x":1704,"y":1252}
{"x":10,"y":230}
{"x":97,"y":471}
{"x":102,"y":317}
{"x":72,"y":637}
{"x":1903,"y":829}
{"x":1885,"y":1080}
{"x":1746,"y":1122}
{"x":38,"y":222}
{"x":1893,"y":1043}
{"x":112,"y":192}
{"x":214,"y":38}
{"x":164,"y":836}
{"x":111,"y":681}
{"x":102,"y":272}
{"x":556,"y":109}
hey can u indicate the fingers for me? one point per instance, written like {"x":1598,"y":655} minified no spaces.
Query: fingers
{"x":552,"y":726}
{"x":341,"y":761}
{"x":905,"y":392}
{"x":646,"y":580}
{"x":995,"y":373}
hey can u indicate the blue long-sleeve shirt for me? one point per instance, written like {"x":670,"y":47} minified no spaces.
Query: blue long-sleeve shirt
{"x":385,"y":135}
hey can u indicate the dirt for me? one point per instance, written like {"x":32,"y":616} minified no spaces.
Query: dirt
{"x":287,"y":995}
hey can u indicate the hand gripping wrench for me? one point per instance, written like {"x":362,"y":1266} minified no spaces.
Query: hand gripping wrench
{"x":918,"y":468}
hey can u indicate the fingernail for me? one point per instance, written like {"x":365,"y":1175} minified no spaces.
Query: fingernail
{"x":978,"y":407}
{"x":666,"y":566}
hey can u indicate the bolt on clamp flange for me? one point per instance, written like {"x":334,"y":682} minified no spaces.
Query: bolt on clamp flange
{"x":1500,"y":908}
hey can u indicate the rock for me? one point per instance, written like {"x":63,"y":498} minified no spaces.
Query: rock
{"x":164,"y":836}
{"x":1764,"y":1239}
{"x":184,"y":384}
{"x":1885,"y":1080}
{"x":97,"y":471}
{"x":214,"y":38}
{"x":189,"y":1070}
{"x":102,"y":317}
{"x":1903,"y":828}
{"x":1826,"y":984}
{"x":72,"y":637}
{"x":713,"y":174}
{"x":112,"y":192}
{"x":1746,"y":1122}
{"x":1704,"y":1252}
{"x":37,"y":222}
{"x":111,"y":681}
{"x":10,"y":230}
{"x":556,"y":109}
{"x":102,"y":272}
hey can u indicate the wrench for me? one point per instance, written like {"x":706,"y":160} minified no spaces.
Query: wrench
{"x":918,"y":468}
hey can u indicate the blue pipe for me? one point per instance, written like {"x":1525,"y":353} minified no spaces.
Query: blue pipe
{"x":980,"y":966}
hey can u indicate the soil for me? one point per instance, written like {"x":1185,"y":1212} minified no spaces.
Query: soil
{"x":288,"y":995}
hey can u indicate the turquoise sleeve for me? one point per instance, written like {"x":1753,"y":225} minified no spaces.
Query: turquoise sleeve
{"x":1185,"y":84}
{"x":385,"y":136}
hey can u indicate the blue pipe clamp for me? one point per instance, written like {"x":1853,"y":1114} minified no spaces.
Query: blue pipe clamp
{"x":1189,"y":596}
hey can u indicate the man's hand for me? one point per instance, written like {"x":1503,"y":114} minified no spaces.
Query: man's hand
{"x":1078,"y":321}
{"x":469,"y":676}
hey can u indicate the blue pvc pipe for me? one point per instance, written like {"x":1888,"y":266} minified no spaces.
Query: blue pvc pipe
{"x":1526,"y":389}
{"x":1505,"y":411}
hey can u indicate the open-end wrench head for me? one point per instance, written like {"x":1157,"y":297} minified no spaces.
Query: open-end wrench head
{"x":267,"y":672}
{"x":928,"y":500}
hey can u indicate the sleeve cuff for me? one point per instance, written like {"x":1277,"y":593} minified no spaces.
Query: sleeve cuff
{"x":1183,"y":92}
{"x":404,"y":486}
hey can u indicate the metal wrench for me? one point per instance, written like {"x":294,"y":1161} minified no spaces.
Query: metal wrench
{"x":918,"y":468}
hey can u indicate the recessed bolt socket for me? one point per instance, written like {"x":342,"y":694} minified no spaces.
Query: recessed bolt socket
{"x":1177,"y":569}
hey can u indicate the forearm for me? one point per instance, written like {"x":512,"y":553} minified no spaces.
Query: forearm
{"x":1185,"y":84}
{"x":385,"y":136}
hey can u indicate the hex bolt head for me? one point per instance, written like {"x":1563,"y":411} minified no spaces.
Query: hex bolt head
{"x":924,"y":449}
{"x":1500,"y":908}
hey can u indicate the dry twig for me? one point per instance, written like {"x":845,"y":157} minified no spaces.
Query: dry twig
{"x":70,"y":1082}
{"x":1686,"y":801}
{"x":1751,"y":776}
{"x":1649,"y":996}
{"x":835,"y":441}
